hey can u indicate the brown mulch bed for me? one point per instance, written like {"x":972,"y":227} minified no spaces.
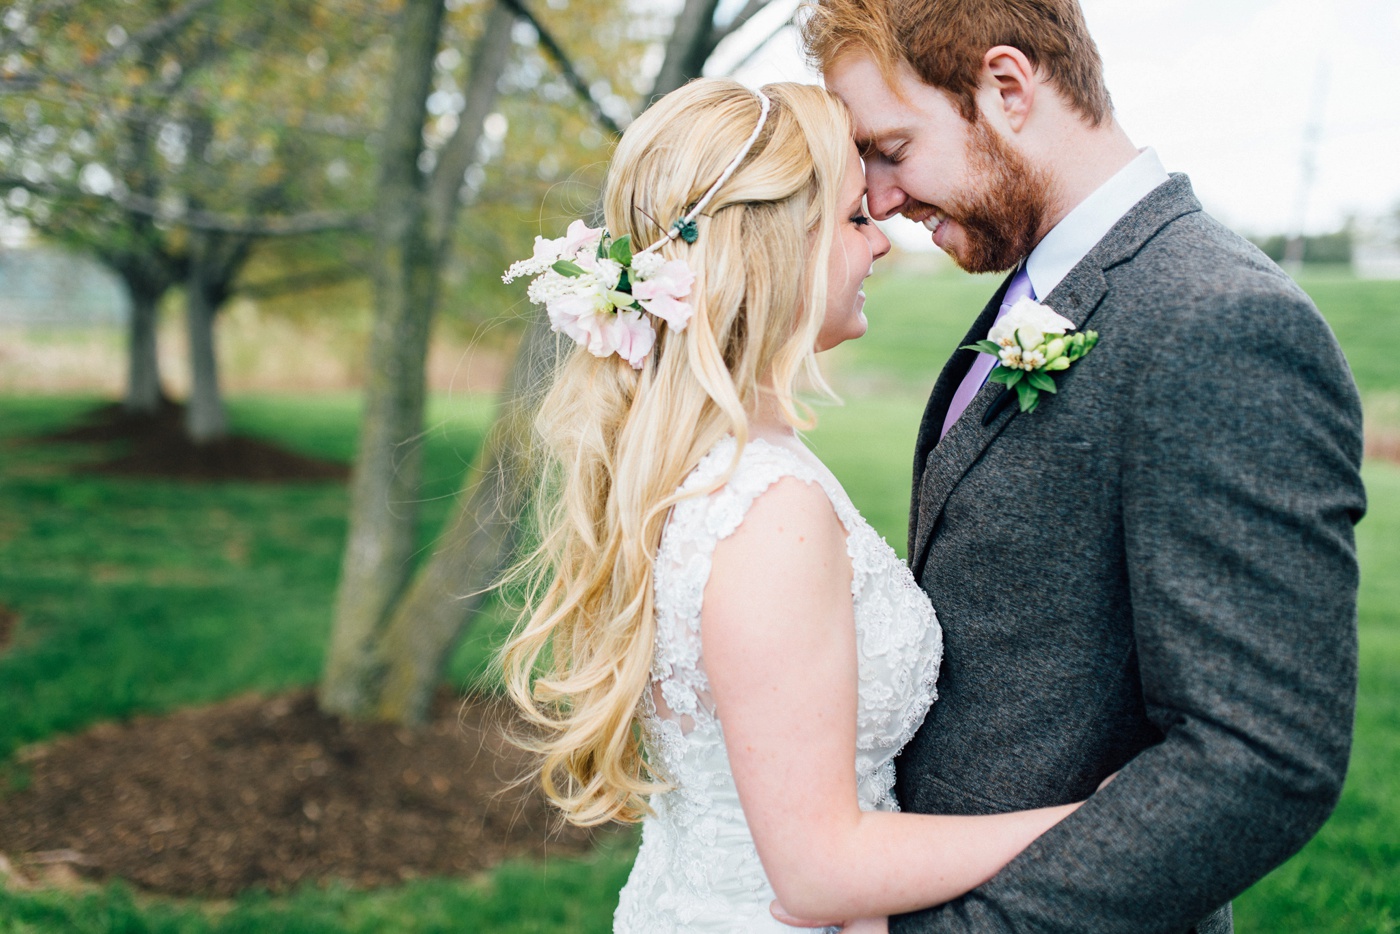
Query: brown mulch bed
{"x":156,"y":446}
{"x":1384,"y":447}
{"x":272,"y":793}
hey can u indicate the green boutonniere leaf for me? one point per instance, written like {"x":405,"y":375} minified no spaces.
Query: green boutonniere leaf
{"x":1041,"y":381}
{"x":1028,"y":396}
{"x":983,"y":347}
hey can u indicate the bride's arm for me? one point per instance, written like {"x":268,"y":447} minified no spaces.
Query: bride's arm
{"x":778,"y":636}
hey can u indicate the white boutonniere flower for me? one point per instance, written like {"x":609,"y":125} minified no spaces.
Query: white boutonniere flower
{"x":1030,"y":342}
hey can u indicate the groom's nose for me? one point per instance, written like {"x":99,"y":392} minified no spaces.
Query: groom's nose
{"x":882,"y":196}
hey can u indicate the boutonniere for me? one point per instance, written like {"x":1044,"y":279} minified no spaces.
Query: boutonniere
{"x":1031,"y":341}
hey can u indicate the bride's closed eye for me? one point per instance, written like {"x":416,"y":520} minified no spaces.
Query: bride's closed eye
{"x":860,"y":220}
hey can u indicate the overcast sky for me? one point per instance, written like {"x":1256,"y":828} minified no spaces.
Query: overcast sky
{"x":1225,"y":91}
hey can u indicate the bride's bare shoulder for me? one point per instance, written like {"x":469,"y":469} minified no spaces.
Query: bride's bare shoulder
{"x":790,"y":546}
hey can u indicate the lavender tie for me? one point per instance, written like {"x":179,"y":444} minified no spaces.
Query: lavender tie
{"x":982,"y":367}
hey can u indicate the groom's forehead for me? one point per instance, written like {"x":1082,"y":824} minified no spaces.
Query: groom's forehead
{"x":879,"y":108}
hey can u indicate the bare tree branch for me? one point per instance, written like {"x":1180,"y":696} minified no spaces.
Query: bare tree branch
{"x":488,"y":61}
{"x":566,"y":65}
{"x":741,"y":19}
{"x":155,"y":33}
{"x":690,"y":45}
{"x":759,"y":47}
{"x":289,"y":225}
{"x":301,"y":282}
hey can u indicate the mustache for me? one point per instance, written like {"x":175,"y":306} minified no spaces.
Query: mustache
{"x":919,"y":211}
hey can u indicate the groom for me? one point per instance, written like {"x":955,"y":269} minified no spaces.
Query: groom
{"x":1153,"y":571}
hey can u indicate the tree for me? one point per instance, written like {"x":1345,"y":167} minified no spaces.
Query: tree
{"x":160,"y":137}
{"x":414,"y":216}
{"x":394,"y":632}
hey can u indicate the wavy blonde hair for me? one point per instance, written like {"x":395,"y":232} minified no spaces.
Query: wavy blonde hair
{"x":618,"y":442}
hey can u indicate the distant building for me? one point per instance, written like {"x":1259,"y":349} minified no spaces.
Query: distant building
{"x":48,"y":286}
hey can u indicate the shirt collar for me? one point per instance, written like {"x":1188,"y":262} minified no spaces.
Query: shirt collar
{"x":1082,"y":228}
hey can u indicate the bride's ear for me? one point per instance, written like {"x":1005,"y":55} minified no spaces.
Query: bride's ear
{"x":1008,"y":87}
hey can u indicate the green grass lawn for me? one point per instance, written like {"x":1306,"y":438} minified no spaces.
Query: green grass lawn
{"x":144,"y":596}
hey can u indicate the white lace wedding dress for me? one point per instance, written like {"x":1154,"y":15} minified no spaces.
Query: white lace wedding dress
{"x":698,"y":870}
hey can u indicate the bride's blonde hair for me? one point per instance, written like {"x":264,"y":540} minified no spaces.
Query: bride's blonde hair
{"x":618,"y":442}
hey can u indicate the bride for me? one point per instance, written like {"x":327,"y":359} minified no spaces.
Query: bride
{"x":718,"y":644}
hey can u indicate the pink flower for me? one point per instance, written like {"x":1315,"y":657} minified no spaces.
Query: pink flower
{"x":578,"y":236}
{"x":632,"y":335}
{"x":584,"y":318}
{"x":660,"y":294}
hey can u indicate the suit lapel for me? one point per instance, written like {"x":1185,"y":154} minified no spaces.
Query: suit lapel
{"x":941,"y":465}
{"x":937,"y":409}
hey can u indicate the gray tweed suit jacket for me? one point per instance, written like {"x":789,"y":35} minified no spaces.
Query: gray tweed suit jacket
{"x":1154,"y":572}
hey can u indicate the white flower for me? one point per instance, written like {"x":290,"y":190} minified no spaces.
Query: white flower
{"x":1026,"y":323}
{"x":1032,"y":360}
{"x":1011,"y":357}
{"x":608,"y":272}
{"x":660,"y":294}
{"x":646,"y":266}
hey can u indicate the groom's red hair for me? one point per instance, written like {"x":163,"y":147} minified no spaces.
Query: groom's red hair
{"x":944,"y":41}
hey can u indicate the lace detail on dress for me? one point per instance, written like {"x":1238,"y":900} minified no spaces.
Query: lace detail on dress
{"x":698,"y":869}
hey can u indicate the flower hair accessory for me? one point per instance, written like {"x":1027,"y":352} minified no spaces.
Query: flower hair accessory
{"x":602,"y":295}
{"x":1031,"y":341}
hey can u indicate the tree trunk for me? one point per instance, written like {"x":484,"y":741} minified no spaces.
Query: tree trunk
{"x":143,"y":389}
{"x":472,"y":550}
{"x":690,"y":45}
{"x":213,"y":263}
{"x":388,"y":463}
{"x":480,"y":535}
{"x":205,"y":417}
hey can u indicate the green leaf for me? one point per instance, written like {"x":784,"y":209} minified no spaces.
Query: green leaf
{"x":624,"y":282}
{"x":568,"y":268}
{"x":989,"y":347}
{"x":1028,"y":395}
{"x":1042,"y":381}
{"x":621,"y":251}
{"x":1014,"y":379}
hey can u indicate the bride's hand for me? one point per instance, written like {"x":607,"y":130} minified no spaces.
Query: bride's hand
{"x":868,"y":926}
{"x":776,"y":909}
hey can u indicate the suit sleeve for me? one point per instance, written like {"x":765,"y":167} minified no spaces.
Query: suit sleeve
{"x":1241,"y":486}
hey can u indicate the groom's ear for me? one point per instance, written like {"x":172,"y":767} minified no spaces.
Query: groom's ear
{"x":1009,"y":84}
